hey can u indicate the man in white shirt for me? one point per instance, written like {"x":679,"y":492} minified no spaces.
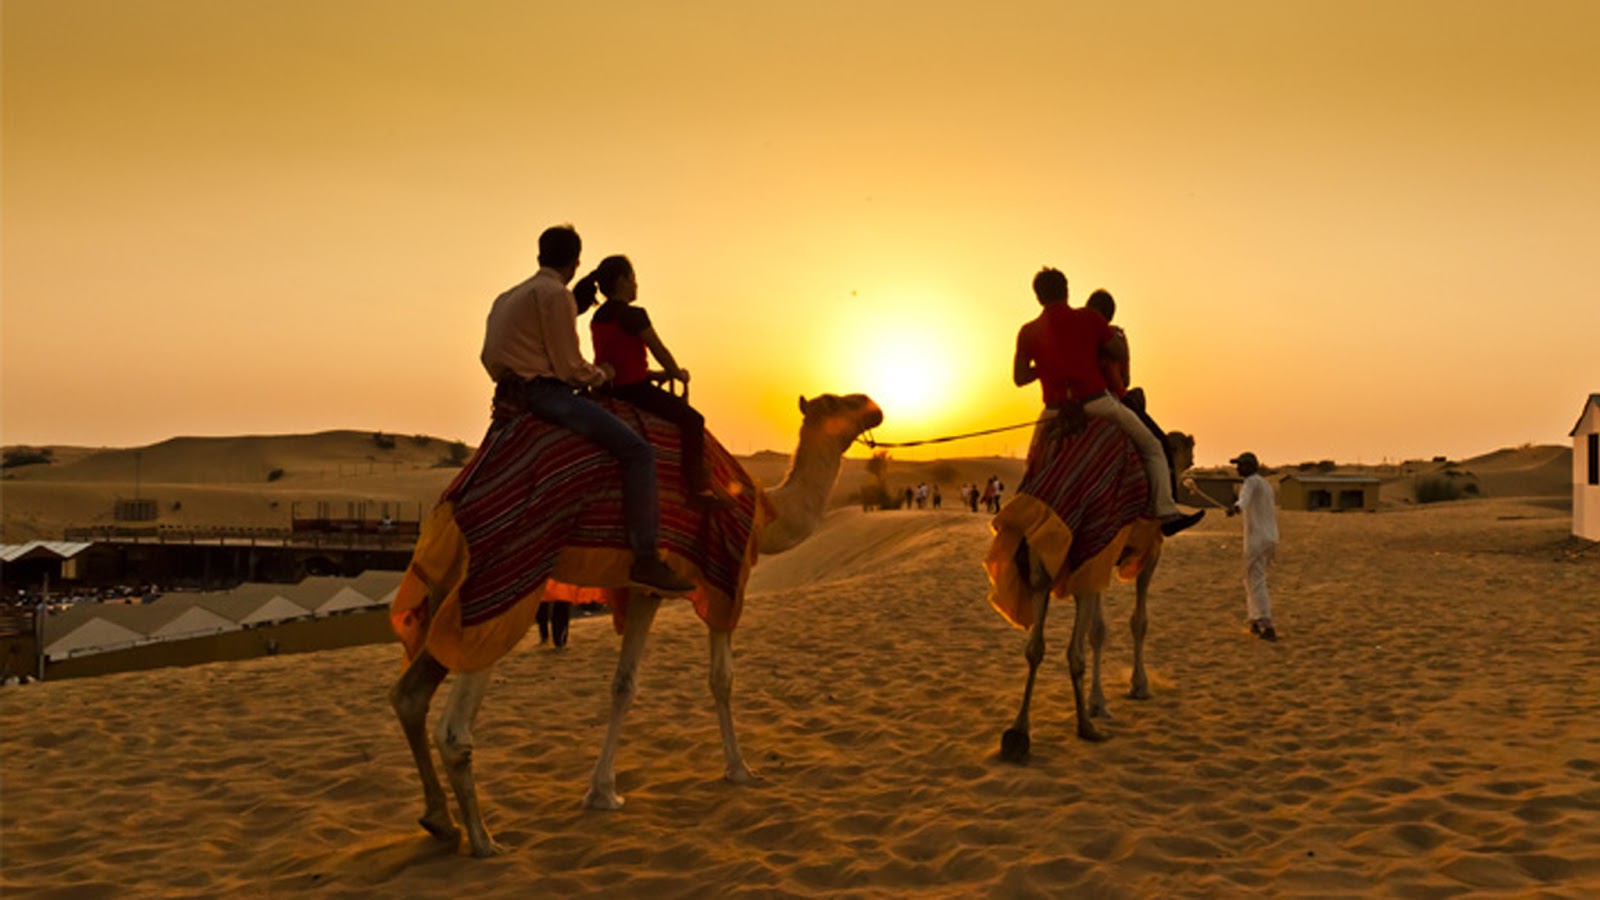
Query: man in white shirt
{"x":1259,"y":506}
{"x":530,"y":349}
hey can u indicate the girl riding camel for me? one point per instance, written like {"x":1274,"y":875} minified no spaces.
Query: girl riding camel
{"x":622,"y":336}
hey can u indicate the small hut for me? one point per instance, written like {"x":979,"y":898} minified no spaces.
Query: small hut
{"x":1586,"y":471}
{"x":1335,"y":493}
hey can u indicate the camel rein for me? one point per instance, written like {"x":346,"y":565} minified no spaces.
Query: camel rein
{"x":869,"y":441}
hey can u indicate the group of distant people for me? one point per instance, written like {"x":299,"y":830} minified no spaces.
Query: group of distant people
{"x":988,"y":496}
{"x":926,"y":496}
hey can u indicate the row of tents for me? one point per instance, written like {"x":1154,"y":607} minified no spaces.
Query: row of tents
{"x":100,"y":627}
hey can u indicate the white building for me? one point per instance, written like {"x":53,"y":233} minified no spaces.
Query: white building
{"x":1586,"y":471}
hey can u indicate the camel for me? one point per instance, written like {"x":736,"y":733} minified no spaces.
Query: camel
{"x":1079,"y":516}
{"x":780,"y":519}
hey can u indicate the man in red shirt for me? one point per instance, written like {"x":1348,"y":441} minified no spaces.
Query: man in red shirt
{"x":1061,"y":349}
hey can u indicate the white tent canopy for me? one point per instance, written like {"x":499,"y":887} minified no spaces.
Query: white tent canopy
{"x":95,"y":635}
{"x":192,"y":622}
{"x":277,"y":609}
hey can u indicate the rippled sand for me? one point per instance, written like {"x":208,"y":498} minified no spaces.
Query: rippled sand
{"x":1429,"y":726}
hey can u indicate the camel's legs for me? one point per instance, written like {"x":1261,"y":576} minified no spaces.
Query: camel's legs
{"x":1139,"y":688}
{"x":454,"y":737}
{"x":734,"y":768}
{"x":641,"y":613}
{"x":1014,"y":744}
{"x":1087,"y":610}
{"x":1097,"y":641}
{"x":410,"y":698}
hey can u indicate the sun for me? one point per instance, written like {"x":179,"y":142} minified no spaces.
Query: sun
{"x":912,"y":381}
{"x":912,"y":350}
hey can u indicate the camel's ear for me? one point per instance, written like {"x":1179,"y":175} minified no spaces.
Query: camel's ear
{"x":802,"y":404}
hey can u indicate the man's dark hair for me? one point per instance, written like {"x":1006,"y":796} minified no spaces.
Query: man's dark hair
{"x":559,"y":246}
{"x":1102,"y":302}
{"x":1050,"y":285}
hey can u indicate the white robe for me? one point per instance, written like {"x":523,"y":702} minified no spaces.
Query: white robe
{"x":1259,"y":507}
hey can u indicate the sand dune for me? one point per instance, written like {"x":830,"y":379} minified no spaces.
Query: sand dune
{"x":229,"y":481}
{"x":216,"y":482}
{"x":1429,"y":726}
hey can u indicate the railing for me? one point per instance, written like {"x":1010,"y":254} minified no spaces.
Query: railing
{"x":16,"y":621}
{"x":370,"y":534}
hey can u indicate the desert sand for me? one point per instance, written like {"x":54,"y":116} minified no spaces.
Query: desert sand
{"x":1429,"y":726}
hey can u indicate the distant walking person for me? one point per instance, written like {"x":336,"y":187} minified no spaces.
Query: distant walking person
{"x":530,"y":349}
{"x":554,"y":618}
{"x":1259,"y":507}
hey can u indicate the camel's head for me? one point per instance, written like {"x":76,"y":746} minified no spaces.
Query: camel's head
{"x":1181,"y":446}
{"x":840,"y":418}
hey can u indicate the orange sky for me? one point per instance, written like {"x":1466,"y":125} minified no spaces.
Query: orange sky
{"x":1335,"y":230}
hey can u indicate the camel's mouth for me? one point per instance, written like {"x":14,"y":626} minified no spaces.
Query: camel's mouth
{"x":873,"y":417}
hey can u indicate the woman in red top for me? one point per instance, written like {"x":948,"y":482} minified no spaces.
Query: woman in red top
{"x":623,"y":336}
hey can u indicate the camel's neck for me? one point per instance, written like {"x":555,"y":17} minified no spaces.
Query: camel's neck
{"x":802,"y":497}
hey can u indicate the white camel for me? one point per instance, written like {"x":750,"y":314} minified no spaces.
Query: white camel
{"x":830,"y":424}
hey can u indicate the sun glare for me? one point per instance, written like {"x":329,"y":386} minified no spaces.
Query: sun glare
{"x":908,"y":382}
{"x":905,"y":350}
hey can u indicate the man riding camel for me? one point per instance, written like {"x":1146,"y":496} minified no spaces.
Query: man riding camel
{"x":1061,"y":348}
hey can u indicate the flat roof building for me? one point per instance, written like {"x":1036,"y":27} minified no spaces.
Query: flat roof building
{"x":1335,"y":493}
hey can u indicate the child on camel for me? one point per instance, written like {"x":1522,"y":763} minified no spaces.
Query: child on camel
{"x":622,"y":336}
{"x":1116,"y":372}
{"x":1061,"y":349}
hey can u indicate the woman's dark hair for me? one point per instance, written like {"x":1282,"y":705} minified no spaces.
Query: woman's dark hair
{"x":602,"y":279}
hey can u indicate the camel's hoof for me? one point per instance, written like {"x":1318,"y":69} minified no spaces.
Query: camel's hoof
{"x":739,"y":774}
{"x":602,"y":800}
{"x":1099,"y":711}
{"x":489,"y":847}
{"x":1014,"y":746}
{"x":1139,"y":692}
{"x":440,"y":826}
{"x":1091,"y":734}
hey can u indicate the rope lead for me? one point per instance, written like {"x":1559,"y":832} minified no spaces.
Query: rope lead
{"x":868,"y":441}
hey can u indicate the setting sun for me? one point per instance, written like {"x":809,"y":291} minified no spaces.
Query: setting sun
{"x":910,"y":384}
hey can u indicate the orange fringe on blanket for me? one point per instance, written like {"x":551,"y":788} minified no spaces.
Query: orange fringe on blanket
{"x":1049,"y":539}
{"x":439,"y":566}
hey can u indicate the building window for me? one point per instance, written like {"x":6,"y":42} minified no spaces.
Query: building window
{"x":1594,"y":458}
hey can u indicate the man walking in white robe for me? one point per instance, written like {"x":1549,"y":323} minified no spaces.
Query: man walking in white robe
{"x":1259,"y":506}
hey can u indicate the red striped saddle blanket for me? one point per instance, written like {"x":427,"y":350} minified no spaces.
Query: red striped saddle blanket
{"x":536,"y":514}
{"x":1082,"y":508}
{"x":1094,"y":482}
